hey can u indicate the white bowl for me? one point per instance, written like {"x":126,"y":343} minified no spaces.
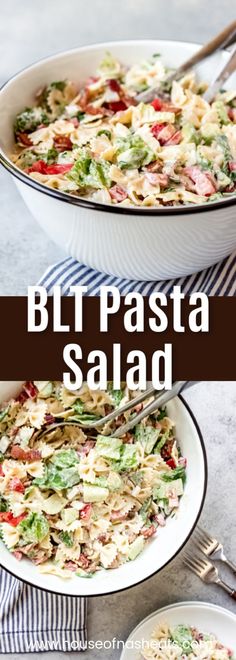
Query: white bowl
{"x":160,"y":550}
{"x":204,"y":616}
{"x":130,"y":243}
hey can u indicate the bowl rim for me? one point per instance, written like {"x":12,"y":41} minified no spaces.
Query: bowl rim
{"x":109,"y":593}
{"x":99,"y":206}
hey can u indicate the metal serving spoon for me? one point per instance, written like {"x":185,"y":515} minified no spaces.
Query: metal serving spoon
{"x":223,"y":40}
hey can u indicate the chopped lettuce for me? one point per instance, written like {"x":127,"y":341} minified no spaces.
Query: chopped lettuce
{"x":221,"y":112}
{"x":144,"y":511}
{"x":3,"y":413}
{"x":136,"y":547}
{"x":128,"y":458}
{"x":162,"y":442}
{"x":58,"y":479}
{"x":3,"y":505}
{"x":67,"y":539}
{"x":108,"y":447}
{"x":28,"y":120}
{"x":88,"y":172}
{"x":182,"y":636}
{"x":65,"y":458}
{"x":133,"y":152}
{"x":178,"y":473}
{"x":147,"y":436}
{"x":34,"y":528}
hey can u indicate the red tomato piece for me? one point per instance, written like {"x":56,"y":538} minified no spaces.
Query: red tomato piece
{"x":38,"y":166}
{"x":157,"y":128}
{"x":171,"y":463}
{"x":232,"y":166}
{"x":58,"y":169}
{"x":157,"y":104}
{"x":85,"y":513}
{"x":118,"y":193}
{"x":7,"y":516}
{"x":1,"y":471}
{"x":16,"y":485}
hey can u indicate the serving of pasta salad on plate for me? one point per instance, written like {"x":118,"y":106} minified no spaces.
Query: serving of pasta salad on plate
{"x":181,"y":642}
{"x":78,"y":500}
{"x":100,"y":144}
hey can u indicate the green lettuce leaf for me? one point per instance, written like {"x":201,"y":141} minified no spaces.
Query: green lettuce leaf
{"x":147,"y":436}
{"x":178,"y":473}
{"x":133,"y":152}
{"x":108,"y":447}
{"x":65,"y":458}
{"x":34,"y":528}
{"x":88,"y":172}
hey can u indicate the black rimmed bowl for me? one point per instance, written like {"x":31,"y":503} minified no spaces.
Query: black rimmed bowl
{"x":133,"y":243}
{"x":161,"y":549}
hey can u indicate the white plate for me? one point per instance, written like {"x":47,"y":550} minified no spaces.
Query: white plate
{"x":204,"y":616}
{"x":161,"y":549}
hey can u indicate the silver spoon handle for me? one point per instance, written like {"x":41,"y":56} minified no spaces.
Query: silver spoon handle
{"x":220,"y":41}
{"x":161,"y":400}
{"x":226,"y":72}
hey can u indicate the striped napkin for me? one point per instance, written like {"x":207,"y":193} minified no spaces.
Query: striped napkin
{"x":218,"y":280}
{"x":32,"y":620}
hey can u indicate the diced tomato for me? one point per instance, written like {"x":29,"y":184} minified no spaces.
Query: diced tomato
{"x":156,"y":178}
{"x":171,"y":463}
{"x":118,"y":193}
{"x":232,"y":166}
{"x":20,"y":454}
{"x":16,"y":485}
{"x":31,"y":389}
{"x":175,"y":139}
{"x":1,"y":471}
{"x":83,"y":561}
{"x":202,"y":180}
{"x":42,"y":167}
{"x":85,"y":513}
{"x":59,"y":169}
{"x":117,"y":106}
{"x":149,"y":531}
{"x":7,"y":516}
{"x":24,"y":139}
{"x":157,"y":104}
{"x":114,"y":85}
{"x":62,"y":143}
{"x":156,"y":129}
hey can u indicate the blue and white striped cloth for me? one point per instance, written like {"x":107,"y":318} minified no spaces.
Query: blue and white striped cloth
{"x":218,"y":280}
{"x":32,"y":620}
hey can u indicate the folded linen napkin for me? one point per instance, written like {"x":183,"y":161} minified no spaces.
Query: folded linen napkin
{"x":218,"y":280}
{"x":34,"y":620}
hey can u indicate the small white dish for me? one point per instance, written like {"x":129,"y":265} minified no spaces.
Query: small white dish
{"x":206,"y":617}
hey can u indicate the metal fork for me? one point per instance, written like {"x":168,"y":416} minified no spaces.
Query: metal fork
{"x":205,"y":570}
{"x":160,"y":399}
{"x":211,"y":547}
{"x":222,"y":40}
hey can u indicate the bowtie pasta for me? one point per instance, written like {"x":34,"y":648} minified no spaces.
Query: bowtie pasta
{"x":181,"y":642}
{"x":79,"y":499}
{"x":99,"y":143}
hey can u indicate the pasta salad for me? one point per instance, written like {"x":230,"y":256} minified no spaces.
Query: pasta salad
{"x":99,"y":143}
{"x":78,"y":499}
{"x":181,"y":642}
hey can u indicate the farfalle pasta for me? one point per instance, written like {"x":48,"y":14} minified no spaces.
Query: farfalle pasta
{"x":100,"y":144}
{"x":78,"y":499}
{"x":183,"y":641}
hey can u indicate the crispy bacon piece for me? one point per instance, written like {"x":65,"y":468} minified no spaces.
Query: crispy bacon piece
{"x":167,"y":449}
{"x":31,"y":389}
{"x":1,"y":471}
{"x":74,"y":121}
{"x":24,"y":139}
{"x":118,"y":193}
{"x":83,"y":561}
{"x":117,"y":515}
{"x":16,"y":485}
{"x":62,"y":143}
{"x":149,"y":531}
{"x":155,"y":166}
{"x":71,"y":566}
{"x":20,"y":454}
{"x":18,"y":555}
{"x":175,"y":139}
{"x":232,"y":166}
{"x":157,"y":179}
{"x":203,"y":181}
{"x":85,"y":449}
{"x":159,"y":518}
{"x":114,"y":85}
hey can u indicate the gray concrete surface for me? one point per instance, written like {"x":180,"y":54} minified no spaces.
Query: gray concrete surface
{"x":214,"y":405}
{"x":30,"y":30}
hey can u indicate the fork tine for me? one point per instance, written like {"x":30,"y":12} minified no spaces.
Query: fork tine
{"x":204,"y":534}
